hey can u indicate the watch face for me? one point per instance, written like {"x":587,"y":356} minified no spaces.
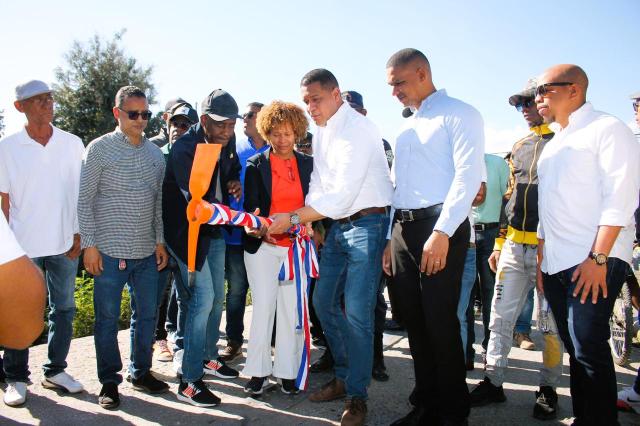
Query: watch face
{"x":295,"y":219}
{"x":601,"y":259}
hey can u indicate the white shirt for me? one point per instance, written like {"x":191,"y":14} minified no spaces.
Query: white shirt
{"x":43,"y":186}
{"x":439,"y":158}
{"x":350,"y":169}
{"x":589,"y":176}
{"x":9,"y":247}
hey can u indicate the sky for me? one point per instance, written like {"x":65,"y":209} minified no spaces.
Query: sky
{"x":480,"y":51}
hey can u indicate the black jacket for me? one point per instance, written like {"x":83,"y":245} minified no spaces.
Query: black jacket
{"x":257,"y":184}
{"x":176,"y":180}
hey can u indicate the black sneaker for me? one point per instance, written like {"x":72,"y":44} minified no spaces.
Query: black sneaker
{"x":546,"y":403}
{"x":217,"y":367}
{"x":486,"y":393}
{"x":148,"y":383}
{"x":197,"y":393}
{"x":108,"y":398}
{"x":256,"y":385}
{"x":324,"y":363}
{"x":379,"y":371}
{"x":288,"y":386}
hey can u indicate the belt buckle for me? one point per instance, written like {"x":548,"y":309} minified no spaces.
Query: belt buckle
{"x":406,"y":215}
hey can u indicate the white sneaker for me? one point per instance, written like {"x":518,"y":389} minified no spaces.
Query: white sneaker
{"x":629,"y":400}
{"x":15,"y":394}
{"x":64,"y":382}
{"x":177,"y":361}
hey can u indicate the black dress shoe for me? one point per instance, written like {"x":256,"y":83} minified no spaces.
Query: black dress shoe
{"x":379,"y":372}
{"x":417,"y":417}
{"x":391,"y":325}
{"x":324,"y":363}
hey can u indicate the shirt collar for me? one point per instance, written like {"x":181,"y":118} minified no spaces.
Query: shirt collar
{"x":574,"y":118}
{"x":122,"y":137}
{"x":339,"y":117}
{"x":431,"y":99}
{"x":27,"y":140}
{"x":541,"y":130}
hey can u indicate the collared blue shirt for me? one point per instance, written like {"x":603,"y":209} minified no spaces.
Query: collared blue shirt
{"x":439,"y":159}
{"x":245,"y":149}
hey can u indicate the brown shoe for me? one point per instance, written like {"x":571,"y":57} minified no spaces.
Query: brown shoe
{"x":231,"y":352}
{"x":523,"y":341}
{"x":354,"y":412}
{"x":332,"y":390}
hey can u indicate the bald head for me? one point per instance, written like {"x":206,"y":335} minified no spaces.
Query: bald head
{"x":570,"y":73}
{"x":562,"y":89}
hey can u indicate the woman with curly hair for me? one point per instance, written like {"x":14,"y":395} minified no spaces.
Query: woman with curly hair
{"x":276,"y":181}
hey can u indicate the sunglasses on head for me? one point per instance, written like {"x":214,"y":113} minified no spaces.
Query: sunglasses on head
{"x":133,"y":115}
{"x":249,"y":115}
{"x":543,"y":89}
{"x":524,"y":104}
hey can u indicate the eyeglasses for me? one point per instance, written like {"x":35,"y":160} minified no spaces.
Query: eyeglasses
{"x":636,"y":105}
{"x":524,"y":104}
{"x":182,"y":125}
{"x":249,"y":115}
{"x":303,"y":145}
{"x":133,"y":115}
{"x":543,"y":88}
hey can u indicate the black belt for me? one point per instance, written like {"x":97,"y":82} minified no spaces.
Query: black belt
{"x":417,"y":214}
{"x":362,"y":213}
{"x":485,"y":226}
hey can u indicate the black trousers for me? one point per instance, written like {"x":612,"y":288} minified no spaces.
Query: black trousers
{"x":428,"y":304}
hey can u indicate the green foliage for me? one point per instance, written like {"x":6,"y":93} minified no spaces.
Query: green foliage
{"x":86,"y":87}
{"x":85,"y":318}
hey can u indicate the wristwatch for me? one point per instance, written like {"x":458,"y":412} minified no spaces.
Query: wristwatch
{"x":294,"y":219}
{"x":599,"y":258}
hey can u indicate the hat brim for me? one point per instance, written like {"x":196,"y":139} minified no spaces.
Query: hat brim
{"x":36,"y":93}
{"x":217,"y":117}
{"x":635,"y":96}
{"x":519,"y":97}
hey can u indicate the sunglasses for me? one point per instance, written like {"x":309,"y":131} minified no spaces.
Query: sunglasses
{"x":524,"y":104}
{"x":182,"y":125}
{"x":249,"y":115}
{"x":133,"y":115}
{"x":303,"y":145}
{"x":635,"y":106}
{"x":543,"y":88}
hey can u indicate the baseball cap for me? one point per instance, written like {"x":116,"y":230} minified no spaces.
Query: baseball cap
{"x":186,"y":111}
{"x":173,"y":102}
{"x":635,"y":95}
{"x":529,"y":92}
{"x":220,"y":106}
{"x":30,"y":89}
{"x":353,"y":98}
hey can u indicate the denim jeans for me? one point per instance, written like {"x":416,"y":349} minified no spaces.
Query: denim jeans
{"x":355,"y":248}
{"x":468,"y":279}
{"x":523,"y":324}
{"x":584,"y":329}
{"x":484,"y":247}
{"x":141,"y":276}
{"x":60,"y":275}
{"x":202,"y":311}
{"x":237,"y":286}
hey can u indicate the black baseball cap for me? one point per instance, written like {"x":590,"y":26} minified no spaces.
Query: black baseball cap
{"x":173,"y":102}
{"x":353,"y":98}
{"x":186,"y":111}
{"x":220,"y":106}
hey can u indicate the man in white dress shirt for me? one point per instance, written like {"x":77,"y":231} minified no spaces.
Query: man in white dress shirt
{"x":437,"y":172}
{"x":350,"y":183}
{"x":588,"y":191}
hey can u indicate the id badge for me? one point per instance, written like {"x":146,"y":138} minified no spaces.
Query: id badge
{"x":122,"y":264}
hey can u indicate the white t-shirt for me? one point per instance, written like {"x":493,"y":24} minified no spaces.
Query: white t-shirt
{"x":9,"y":247}
{"x":43,"y":186}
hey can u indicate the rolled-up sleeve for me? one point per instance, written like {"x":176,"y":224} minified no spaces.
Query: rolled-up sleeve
{"x":467,"y":139}
{"x":618,"y":153}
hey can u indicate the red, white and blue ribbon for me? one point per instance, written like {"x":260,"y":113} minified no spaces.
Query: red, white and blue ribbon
{"x":302,"y":260}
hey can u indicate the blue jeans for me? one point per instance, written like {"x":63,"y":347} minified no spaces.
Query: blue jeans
{"x":237,"y":286}
{"x":484,"y":247}
{"x":468,"y":280}
{"x":355,"y":248}
{"x":60,"y":275}
{"x":141,"y":276}
{"x":202,"y":311}
{"x":584,"y":329}
{"x":523,"y":324}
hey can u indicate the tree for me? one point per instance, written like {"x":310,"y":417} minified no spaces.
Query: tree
{"x":86,"y":87}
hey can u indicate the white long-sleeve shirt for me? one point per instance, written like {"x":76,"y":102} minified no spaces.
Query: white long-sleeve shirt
{"x":439,"y":158}
{"x":589,"y":176}
{"x":350,"y":170}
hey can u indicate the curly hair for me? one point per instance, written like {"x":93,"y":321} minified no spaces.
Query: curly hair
{"x":277,"y":113}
